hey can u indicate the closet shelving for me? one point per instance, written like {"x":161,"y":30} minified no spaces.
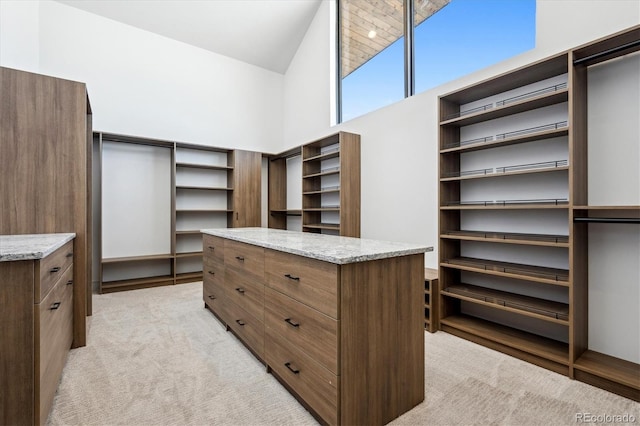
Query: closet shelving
{"x":528,"y":307}
{"x":431,"y":300}
{"x":496,"y":300}
{"x":203,"y":194}
{"x":331,"y":185}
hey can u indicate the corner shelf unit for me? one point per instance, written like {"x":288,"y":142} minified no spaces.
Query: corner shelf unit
{"x":513,"y":260}
{"x":331,"y":185}
{"x":203,"y":195}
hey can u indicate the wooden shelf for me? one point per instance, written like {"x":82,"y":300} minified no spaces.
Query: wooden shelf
{"x":488,"y":143}
{"x":110,"y":286}
{"x":294,"y":212}
{"x":534,"y":307}
{"x":189,"y":254}
{"x":543,"y":347}
{"x":203,"y":211}
{"x":193,"y":232}
{"x":536,"y":206}
{"x":512,"y":270}
{"x":322,"y":191}
{"x":333,"y":226}
{"x":489,"y":175}
{"x":610,"y":368}
{"x":188,"y":277}
{"x":136,"y":258}
{"x":528,"y":104}
{"x":203,"y":166}
{"x":322,"y":209}
{"x":323,"y":173}
{"x":509,"y":238}
{"x":333,"y":153}
{"x":204,"y":188}
{"x":608,"y":212}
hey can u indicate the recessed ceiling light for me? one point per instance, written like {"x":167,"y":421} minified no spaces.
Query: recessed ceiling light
{"x":372,"y":34}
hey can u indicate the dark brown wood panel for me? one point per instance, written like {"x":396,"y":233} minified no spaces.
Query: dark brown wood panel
{"x":43,"y":138}
{"x":17,"y":334}
{"x":349,"y":185}
{"x":247,"y":189}
{"x":277,"y":192}
{"x":381,"y":339}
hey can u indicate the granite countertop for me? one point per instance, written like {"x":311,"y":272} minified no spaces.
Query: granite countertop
{"x":31,"y":246}
{"x":329,"y":248}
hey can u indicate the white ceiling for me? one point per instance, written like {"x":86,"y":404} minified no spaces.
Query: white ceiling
{"x":265,"y":33}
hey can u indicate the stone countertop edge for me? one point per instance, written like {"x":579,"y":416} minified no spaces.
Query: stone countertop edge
{"x":31,"y":246}
{"x":321,"y":250}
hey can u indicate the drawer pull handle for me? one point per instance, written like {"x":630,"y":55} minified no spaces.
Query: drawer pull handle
{"x":240,"y":322}
{"x":240,"y":290}
{"x":54,"y":269}
{"x":69,"y":254}
{"x":293,"y":370}
{"x":212,"y":297}
{"x":212,"y":248}
{"x":291,"y":277}
{"x":211,"y":273}
{"x":240,"y":258}
{"x":294,"y":324}
{"x":69,"y":282}
{"x":55,"y":306}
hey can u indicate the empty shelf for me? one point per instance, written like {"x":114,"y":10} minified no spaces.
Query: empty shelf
{"x":512,"y":270}
{"x":509,"y":238}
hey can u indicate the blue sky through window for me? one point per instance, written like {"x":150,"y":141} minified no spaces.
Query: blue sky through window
{"x":463,"y":37}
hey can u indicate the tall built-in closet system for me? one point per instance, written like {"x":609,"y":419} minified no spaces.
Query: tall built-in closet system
{"x":157,"y":195}
{"x":538,"y":175}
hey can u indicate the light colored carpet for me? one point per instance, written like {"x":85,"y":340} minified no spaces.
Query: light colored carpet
{"x":157,"y":357}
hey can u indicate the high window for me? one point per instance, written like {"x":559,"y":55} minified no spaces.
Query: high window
{"x":391,"y":49}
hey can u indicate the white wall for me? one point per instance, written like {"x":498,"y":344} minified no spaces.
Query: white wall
{"x":144,"y":84}
{"x":19,"y":34}
{"x":399,"y":142}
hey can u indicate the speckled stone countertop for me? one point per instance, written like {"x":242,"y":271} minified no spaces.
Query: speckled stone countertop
{"x":333,"y":249}
{"x":31,"y":246}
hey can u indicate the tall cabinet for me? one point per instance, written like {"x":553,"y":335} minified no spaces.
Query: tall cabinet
{"x":187,"y":188}
{"x":45,"y":162}
{"x":513,"y":193}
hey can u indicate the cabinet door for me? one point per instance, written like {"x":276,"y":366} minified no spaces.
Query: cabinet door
{"x":247,"y":191}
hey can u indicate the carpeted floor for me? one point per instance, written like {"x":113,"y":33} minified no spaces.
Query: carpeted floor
{"x":157,"y":357}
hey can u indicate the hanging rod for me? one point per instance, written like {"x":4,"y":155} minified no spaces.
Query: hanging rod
{"x":606,"y":220}
{"x":607,"y":52}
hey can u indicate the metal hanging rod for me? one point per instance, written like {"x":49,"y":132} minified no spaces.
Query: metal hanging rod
{"x":606,"y":220}
{"x":607,"y":52}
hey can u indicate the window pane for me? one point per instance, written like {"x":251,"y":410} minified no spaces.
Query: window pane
{"x":372,"y":60}
{"x":468,"y":35}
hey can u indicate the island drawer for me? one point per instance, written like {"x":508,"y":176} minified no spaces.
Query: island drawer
{"x":247,"y":327}
{"x":51,"y":269}
{"x":245,"y":292}
{"x":315,"y":384}
{"x":303,"y":327}
{"x":310,"y":281}
{"x":244,"y":258}
{"x":55,"y":319}
{"x":213,"y":248}
{"x":213,"y":295}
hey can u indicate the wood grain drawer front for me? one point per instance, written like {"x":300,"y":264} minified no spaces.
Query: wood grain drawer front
{"x":310,"y":281}
{"x":213,"y":271}
{"x":303,"y":327}
{"x":248,"y":328}
{"x":246,"y":292}
{"x":245,"y":258}
{"x":51,"y":268}
{"x":213,"y":295}
{"x":213,"y":248}
{"x":314,"y":383}
{"x":55,"y":322}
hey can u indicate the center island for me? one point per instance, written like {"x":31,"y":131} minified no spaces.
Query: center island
{"x":339,"y":321}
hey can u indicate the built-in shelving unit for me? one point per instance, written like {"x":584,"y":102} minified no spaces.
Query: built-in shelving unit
{"x":431,"y":295}
{"x":200,"y":187}
{"x":514,"y":215}
{"x":331,"y":185}
{"x":330,"y":197}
